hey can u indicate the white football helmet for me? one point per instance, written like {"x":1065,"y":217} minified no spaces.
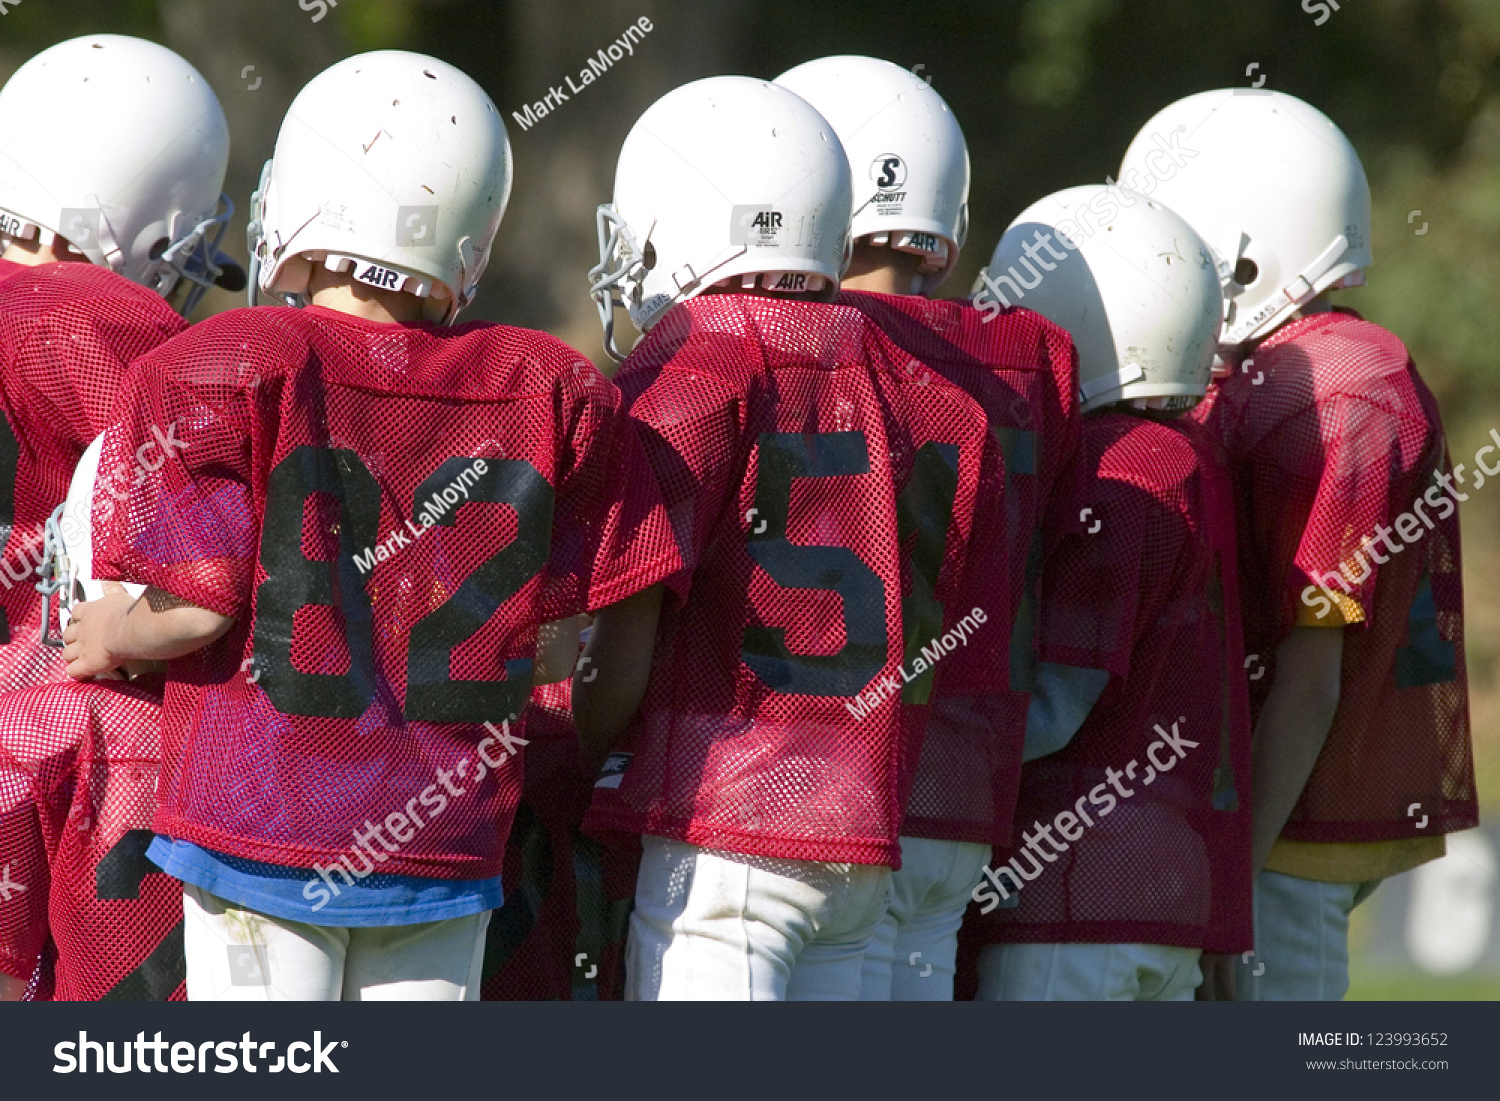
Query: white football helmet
{"x":907,"y":157}
{"x":67,"y":566}
{"x":394,"y":164}
{"x":118,"y":146}
{"x":1272,"y":185}
{"x":724,"y":179}
{"x":1139,"y":294}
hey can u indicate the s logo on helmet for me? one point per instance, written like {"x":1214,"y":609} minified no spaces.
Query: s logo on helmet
{"x":888,"y":171}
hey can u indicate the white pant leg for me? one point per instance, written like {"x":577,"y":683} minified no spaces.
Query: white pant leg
{"x":722,"y":926}
{"x":236,"y":955}
{"x":240,"y":955}
{"x":1088,"y":972}
{"x":914,"y":953}
{"x":436,"y":961}
{"x":1301,"y":939}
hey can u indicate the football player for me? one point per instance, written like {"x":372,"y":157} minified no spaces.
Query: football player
{"x":78,"y":767}
{"x":910,"y":169}
{"x":113,"y":159}
{"x":825,"y":486}
{"x":1348,"y":529}
{"x":1142,"y":755}
{"x":350,"y":557}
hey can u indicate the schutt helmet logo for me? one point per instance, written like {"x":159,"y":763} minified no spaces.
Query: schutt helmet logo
{"x":888,"y":171}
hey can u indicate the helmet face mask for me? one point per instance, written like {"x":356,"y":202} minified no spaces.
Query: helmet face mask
{"x":148,"y":148}
{"x":1290,"y":223}
{"x":392,"y":166}
{"x":725,"y":182}
{"x":66,"y":569}
{"x":908,"y":160}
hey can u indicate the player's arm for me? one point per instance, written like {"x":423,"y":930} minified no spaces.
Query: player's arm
{"x":1061,"y":699}
{"x":612,"y":674}
{"x":1293,"y":726}
{"x":557,"y":649}
{"x":158,"y":626}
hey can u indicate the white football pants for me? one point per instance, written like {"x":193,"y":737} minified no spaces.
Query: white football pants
{"x":913,"y":955}
{"x":719,"y":926}
{"x":1301,"y":940}
{"x":1087,"y":973}
{"x":236,"y":955}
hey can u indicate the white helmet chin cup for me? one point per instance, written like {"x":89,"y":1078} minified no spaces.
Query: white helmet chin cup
{"x":67,"y":567}
{"x":393,"y":166}
{"x":1272,"y":185}
{"x":908,"y":160}
{"x":117,"y":146}
{"x":719,"y":179}
{"x":1130,"y":280}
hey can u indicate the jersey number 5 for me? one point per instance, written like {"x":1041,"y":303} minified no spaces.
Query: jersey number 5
{"x":924,"y":512}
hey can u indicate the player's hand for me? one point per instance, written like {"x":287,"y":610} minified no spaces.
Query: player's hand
{"x":92,"y":638}
{"x":1218,"y":978}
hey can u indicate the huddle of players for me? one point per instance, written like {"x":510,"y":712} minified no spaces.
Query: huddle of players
{"x":852,"y":554}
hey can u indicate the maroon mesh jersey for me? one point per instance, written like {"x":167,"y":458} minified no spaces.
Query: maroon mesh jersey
{"x":1022,"y":370}
{"x":1334,"y":441}
{"x":534,"y":939}
{"x":78,"y":765}
{"x":825,"y":483}
{"x":388,"y":512}
{"x":67,"y":333}
{"x":1148,"y":804}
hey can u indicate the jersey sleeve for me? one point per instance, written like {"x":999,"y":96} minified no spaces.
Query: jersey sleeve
{"x":690,"y":429}
{"x":65,"y":370}
{"x":1339,"y":547}
{"x":611,"y":537}
{"x":24,"y":874}
{"x":174,"y":504}
{"x":1108,"y":574}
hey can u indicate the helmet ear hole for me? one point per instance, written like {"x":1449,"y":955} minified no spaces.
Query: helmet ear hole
{"x":648,"y":256}
{"x":159,"y":249}
{"x":1246,"y":272}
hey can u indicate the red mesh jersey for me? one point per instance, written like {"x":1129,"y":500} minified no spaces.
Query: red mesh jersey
{"x":825,"y":484}
{"x":78,"y":765}
{"x":1144,"y":587}
{"x":10,"y":267}
{"x":67,"y":333}
{"x":1334,"y":441}
{"x":1022,"y":370}
{"x":388,"y":512}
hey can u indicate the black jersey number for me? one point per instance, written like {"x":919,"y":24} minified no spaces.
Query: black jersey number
{"x":293,"y":581}
{"x":924,"y":510}
{"x":431,"y":693}
{"x":118,"y":875}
